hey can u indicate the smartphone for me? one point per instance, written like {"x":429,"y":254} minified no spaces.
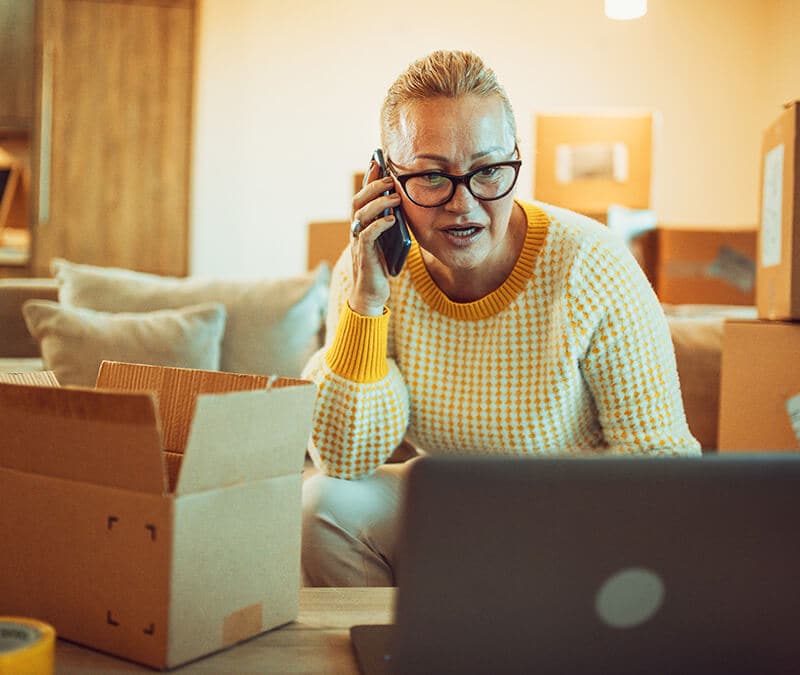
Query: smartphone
{"x":396,"y":241}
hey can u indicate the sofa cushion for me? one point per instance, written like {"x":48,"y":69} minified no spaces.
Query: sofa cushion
{"x":273,"y":325}
{"x":74,"y":341}
{"x":698,"y":346}
{"x":697,"y":339}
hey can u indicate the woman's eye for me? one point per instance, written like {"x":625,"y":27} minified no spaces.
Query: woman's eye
{"x":434,"y":179}
{"x":488,"y":172}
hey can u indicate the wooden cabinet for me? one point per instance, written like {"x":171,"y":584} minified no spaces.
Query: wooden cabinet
{"x":16,"y":64}
{"x":17,"y":49}
{"x":115,"y":100}
{"x":111,"y":133}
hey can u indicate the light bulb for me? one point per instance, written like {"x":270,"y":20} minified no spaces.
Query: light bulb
{"x":625,"y":9}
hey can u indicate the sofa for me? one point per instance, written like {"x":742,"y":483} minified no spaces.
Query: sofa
{"x":84,"y":313}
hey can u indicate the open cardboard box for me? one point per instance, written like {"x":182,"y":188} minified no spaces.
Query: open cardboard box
{"x":156,"y":517}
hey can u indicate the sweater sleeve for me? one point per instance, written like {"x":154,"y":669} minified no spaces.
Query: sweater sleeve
{"x":362,"y":409}
{"x":628,"y":358}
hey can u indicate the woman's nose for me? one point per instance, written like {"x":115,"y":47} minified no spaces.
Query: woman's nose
{"x":462,"y":200}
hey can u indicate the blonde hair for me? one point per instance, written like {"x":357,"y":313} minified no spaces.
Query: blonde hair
{"x":450,"y":74}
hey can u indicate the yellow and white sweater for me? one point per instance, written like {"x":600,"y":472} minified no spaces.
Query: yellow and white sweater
{"x":572,"y":353}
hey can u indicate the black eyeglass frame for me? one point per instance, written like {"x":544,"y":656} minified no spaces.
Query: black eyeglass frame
{"x":455,"y":181}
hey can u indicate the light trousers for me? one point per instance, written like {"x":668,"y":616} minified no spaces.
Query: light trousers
{"x":350,"y":528}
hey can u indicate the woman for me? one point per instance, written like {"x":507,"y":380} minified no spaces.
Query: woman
{"x":513,"y":328}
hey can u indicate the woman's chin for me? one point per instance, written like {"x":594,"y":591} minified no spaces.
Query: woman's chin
{"x":461,"y":259}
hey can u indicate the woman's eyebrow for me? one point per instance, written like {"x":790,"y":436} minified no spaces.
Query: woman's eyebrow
{"x":489,"y":151}
{"x":434,"y":158}
{"x":445,"y":160}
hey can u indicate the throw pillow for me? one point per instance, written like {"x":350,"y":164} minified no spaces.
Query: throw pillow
{"x":74,"y":341}
{"x":273,"y":325}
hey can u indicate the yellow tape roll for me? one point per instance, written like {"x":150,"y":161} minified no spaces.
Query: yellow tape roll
{"x":27,"y":646}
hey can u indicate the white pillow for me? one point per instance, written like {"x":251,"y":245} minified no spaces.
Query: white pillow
{"x":273,"y":325}
{"x":75,"y":341}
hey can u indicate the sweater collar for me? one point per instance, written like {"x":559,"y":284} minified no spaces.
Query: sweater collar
{"x":501,"y":297}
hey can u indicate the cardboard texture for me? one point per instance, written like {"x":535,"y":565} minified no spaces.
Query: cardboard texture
{"x":760,"y":385}
{"x":778,"y":273}
{"x":706,"y":265}
{"x":43,"y":378}
{"x":589,"y":162}
{"x":156,"y":517}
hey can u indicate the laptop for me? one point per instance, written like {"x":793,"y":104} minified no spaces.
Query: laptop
{"x":595,"y":565}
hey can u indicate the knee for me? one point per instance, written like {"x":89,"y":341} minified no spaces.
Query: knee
{"x":350,"y":505}
{"x":319,"y":497}
{"x":333,"y":505}
{"x":348,"y":530}
{"x":324,"y":509}
{"x":327,"y":534}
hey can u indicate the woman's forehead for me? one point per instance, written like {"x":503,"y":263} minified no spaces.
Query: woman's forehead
{"x":463,"y":128}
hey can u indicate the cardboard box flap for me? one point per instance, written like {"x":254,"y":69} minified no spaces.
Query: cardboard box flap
{"x":176,"y":389}
{"x":41,"y":378}
{"x":107,"y":438}
{"x":246,"y":436}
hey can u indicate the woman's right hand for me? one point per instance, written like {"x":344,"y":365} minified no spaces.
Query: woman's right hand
{"x":370,"y":278}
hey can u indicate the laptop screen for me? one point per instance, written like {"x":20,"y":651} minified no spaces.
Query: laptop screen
{"x":603,"y":565}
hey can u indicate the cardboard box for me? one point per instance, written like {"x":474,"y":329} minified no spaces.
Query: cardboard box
{"x":38,"y":378}
{"x":760,"y":386}
{"x":156,"y":517}
{"x":588,"y":162}
{"x":326,"y":241}
{"x":706,"y":265}
{"x":778,"y":275}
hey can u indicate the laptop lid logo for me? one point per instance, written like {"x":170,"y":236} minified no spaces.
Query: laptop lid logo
{"x":629,"y":597}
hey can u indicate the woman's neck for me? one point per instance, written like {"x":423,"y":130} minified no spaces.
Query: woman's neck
{"x":468,"y":285}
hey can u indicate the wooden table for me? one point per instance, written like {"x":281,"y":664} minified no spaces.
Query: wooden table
{"x":318,"y":642}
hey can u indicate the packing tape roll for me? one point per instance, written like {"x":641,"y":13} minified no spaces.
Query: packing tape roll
{"x":27,"y":646}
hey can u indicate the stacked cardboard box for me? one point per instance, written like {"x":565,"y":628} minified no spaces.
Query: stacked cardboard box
{"x":156,"y":517}
{"x":588,"y":162}
{"x":760,"y":389}
{"x":706,"y":265}
{"x":778,"y":275}
{"x":595,"y":163}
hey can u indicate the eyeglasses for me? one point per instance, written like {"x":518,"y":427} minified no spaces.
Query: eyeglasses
{"x":434,"y":188}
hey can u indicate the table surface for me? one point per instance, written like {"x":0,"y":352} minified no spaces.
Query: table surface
{"x":319,"y":641}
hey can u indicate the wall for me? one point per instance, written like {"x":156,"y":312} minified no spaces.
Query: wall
{"x":782,"y":78}
{"x":288,"y":94}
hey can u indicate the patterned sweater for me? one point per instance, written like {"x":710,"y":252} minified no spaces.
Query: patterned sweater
{"x":571,"y":354}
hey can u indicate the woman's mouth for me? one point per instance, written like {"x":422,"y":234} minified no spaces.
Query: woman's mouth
{"x":462,"y":231}
{"x":462,"y":234}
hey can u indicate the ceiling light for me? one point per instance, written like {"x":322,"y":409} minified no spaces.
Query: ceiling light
{"x":625,"y":9}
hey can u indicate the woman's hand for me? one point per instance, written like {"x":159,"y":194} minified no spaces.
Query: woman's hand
{"x":370,"y":279}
